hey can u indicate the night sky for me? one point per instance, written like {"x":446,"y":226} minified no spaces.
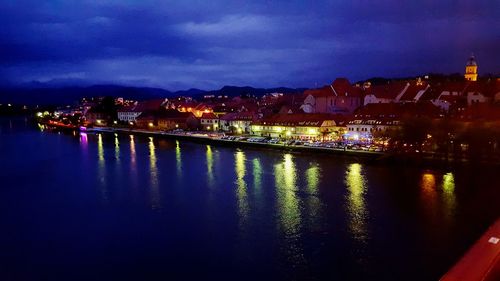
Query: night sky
{"x":207,"y":44}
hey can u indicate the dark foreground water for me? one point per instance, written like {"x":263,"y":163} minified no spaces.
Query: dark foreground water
{"x":106,"y":207}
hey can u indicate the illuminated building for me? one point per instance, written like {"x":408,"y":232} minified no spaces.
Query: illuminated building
{"x":471,"y":69}
{"x":300,"y":126}
{"x":209,"y":122}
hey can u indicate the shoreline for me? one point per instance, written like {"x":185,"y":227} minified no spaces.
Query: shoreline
{"x":360,"y":155}
{"x":384,"y":157}
{"x":205,"y":139}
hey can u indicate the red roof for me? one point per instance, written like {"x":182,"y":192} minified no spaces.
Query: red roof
{"x":382,"y":110}
{"x":209,"y":115}
{"x":412,"y":91}
{"x":239,"y":116}
{"x":387,"y":91}
{"x":487,"y":88}
{"x":339,"y":87}
{"x":318,"y":93}
{"x":342,"y":87}
{"x":165,"y":114}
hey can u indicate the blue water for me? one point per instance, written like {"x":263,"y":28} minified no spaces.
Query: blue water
{"x":124,"y":207}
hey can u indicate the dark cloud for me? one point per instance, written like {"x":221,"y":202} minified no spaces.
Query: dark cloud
{"x":183,"y":44}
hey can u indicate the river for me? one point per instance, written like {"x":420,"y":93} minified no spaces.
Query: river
{"x":125,"y":207}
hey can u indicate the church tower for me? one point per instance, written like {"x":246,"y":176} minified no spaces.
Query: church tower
{"x":471,"y":69}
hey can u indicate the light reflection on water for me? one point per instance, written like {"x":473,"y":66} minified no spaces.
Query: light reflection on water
{"x":257,"y":176}
{"x":364,"y":212}
{"x":429,"y":195}
{"x":312,"y":202}
{"x":133,"y":164}
{"x":101,"y":168}
{"x":241,"y":192}
{"x":117,"y":149}
{"x":449,"y":195}
{"x":356,"y":205}
{"x":439,"y":200}
{"x":288,"y":204}
{"x":84,"y":141}
{"x":178,"y":159}
{"x":132,"y":152}
{"x":153,"y":176}
{"x":288,"y":208}
{"x":210,"y":166}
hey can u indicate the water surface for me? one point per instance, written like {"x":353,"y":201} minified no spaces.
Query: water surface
{"x":125,"y":207}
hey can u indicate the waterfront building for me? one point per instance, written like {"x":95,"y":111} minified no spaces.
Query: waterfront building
{"x":471,"y":69}
{"x":237,"y":122}
{"x":98,"y":117}
{"x":209,"y":122}
{"x":167,"y":119}
{"x":338,"y":98}
{"x":380,"y":119}
{"x":303,"y":126}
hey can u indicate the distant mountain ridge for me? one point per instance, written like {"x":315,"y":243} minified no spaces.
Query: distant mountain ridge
{"x":39,"y":94}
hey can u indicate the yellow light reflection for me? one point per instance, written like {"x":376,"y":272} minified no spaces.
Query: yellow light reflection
{"x":101,"y":168}
{"x":286,"y":176}
{"x":117,"y":148}
{"x":356,"y":205}
{"x":312,"y":177}
{"x":241,"y":191}
{"x":312,"y":202}
{"x":178,"y":158}
{"x":132,"y":151}
{"x":133,"y":164}
{"x":210,"y":164}
{"x":429,"y":193}
{"x":449,"y":194}
{"x":153,"y":176}
{"x":288,"y":206}
{"x":257,"y":174}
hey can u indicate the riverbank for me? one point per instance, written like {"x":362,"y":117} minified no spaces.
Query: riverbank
{"x":205,"y":138}
{"x":382,"y":157}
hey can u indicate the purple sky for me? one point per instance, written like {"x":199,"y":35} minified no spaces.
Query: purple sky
{"x":208,"y":43}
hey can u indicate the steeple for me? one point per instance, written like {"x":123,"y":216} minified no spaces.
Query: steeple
{"x":471,"y":69}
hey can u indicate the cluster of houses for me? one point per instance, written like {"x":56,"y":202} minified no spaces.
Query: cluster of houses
{"x":339,"y":110}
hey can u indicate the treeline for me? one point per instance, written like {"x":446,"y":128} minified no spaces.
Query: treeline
{"x":475,"y":140}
